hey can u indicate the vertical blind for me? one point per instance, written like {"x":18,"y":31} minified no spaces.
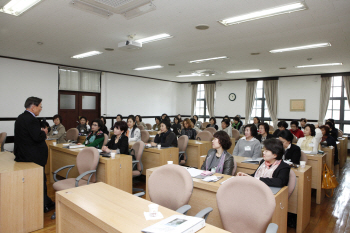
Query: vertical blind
{"x":79,"y":80}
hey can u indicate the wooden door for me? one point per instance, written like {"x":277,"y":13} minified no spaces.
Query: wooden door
{"x":89,"y":105}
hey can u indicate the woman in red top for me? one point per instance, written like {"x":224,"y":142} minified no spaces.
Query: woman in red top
{"x":295,"y":130}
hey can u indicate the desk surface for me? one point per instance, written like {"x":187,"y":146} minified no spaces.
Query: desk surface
{"x":100,"y":205}
{"x":8,"y":163}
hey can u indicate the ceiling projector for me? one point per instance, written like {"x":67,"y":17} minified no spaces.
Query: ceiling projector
{"x":129,"y":45}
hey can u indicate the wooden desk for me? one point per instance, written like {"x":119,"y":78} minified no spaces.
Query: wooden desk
{"x":116,"y":172}
{"x":195,"y":149}
{"x":300,"y":200}
{"x":98,"y":208}
{"x":204,"y":195}
{"x":330,"y":153}
{"x":152,"y":132}
{"x":47,"y":166}
{"x":151,"y":138}
{"x":81,"y":139}
{"x":21,"y":192}
{"x":316,"y":162}
{"x":344,"y":151}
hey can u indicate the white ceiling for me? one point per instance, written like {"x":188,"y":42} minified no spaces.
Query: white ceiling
{"x":67,"y":31}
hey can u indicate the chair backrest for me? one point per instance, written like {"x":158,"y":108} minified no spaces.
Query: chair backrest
{"x":235,"y":134}
{"x":138,"y":147}
{"x":141,"y":127}
{"x":303,"y":157}
{"x":292,"y":182}
{"x":105,"y":141}
{"x":245,"y":199}
{"x":144,"y":136}
{"x":170,"y":186}
{"x":234,"y":167}
{"x":212,"y":130}
{"x":295,"y":139}
{"x":182,"y":143}
{"x":149,"y":126}
{"x":72,"y":134}
{"x":205,"y":136}
{"x":340,"y":133}
{"x":204,"y":125}
{"x":87,"y":160}
{"x":2,"y":140}
{"x":271,"y":128}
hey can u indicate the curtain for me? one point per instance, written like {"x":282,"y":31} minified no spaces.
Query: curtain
{"x":79,"y":80}
{"x":209,"y":92}
{"x":271,"y":95}
{"x":346,"y":80}
{"x":90,"y":81}
{"x":324,"y":98}
{"x":249,"y":99}
{"x":69,"y":80}
{"x":194,"y":98}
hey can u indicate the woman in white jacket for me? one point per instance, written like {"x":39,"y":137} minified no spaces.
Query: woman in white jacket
{"x":311,"y":141}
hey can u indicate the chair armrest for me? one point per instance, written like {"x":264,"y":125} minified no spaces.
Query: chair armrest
{"x":139,"y":194}
{"x":272,"y":228}
{"x":91,"y":172}
{"x":135,"y":161}
{"x":182,"y":152}
{"x":204,"y":213}
{"x":183,"y":209}
{"x":60,"y":169}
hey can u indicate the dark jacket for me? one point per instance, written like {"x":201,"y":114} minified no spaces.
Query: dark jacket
{"x":30,"y":145}
{"x":98,"y":141}
{"x":191,"y":133}
{"x":166,"y":139}
{"x":293,"y":153}
{"x":275,"y":134}
{"x":215,"y":126}
{"x":104,"y":130}
{"x":268,"y":136}
{"x":331,"y":142}
{"x":228,"y":164}
{"x":334,"y":133}
{"x":122,"y":144}
{"x":83,"y":129}
{"x":176,"y":128}
{"x":280,"y":176}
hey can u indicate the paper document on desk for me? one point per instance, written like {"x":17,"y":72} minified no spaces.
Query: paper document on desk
{"x":194,"y":172}
{"x":177,"y":224}
{"x":309,"y":152}
{"x":254,"y":161}
{"x":212,"y":178}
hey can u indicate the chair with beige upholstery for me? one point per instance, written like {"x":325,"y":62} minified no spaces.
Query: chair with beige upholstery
{"x":303,"y":157}
{"x":72,"y":134}
{"x":250,"y":210}
{"x":271,"y":128}
{"x":171,"y":186}
{"x":234,"y":167}
{"x":340,"y":133}
{"x":149,"y":126}
{"x":3,"y":136}
{"x":235,"y":134}
{"x":87,"y":161}
{"x":295,"y":139}
{"x":141,"y":127}
{"x":292,"y":182}
{"x":182,"y":143}
{"x":204,"y":136}
{"x":105,"y":141}
{"x":144,"y":136}
{"x":204,"y":125}
{"x":212,"y":130}
{"x":137,"y":151}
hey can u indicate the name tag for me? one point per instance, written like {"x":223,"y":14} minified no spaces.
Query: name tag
{"x":247,"y":148}
{"x":55,"y":132}
{"x":311,"y":145}
{"x":213,"y":170}
{"x":82,"y":131}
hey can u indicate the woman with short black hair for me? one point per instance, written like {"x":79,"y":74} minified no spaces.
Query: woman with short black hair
{"x":118,"y":140}
{"x":218,"y":159}
{"x":198,"y":123}
{"x":96,"y":136}
{"x":273,"y":171}
{"x":57,"y":130}
{"x":83,"y":127}
{"x":309,"y":142}
{"x":263,"y":133}
{"x":156,"y":126}
{"x":332,"y":130}
{"x":226,"y":127}
{"x":294,"y":129}
{"x":282,"y":125}
{"x":139,"y":122}
{"x":292,"y":152}
{"x":133,"y":133}
{"x":165,"y":137}
{"x":256,"y":121}
{"x":248,"y":146}
{"x":176,"y":126}
{"x":328,"y":140}
{"x":212,"y":122}
{"x":104,"y":127}
{"x":188,"y":129}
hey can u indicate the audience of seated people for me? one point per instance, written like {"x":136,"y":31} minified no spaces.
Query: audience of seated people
{"x":165,"y":137}
{"x":212,"y":122}
{"x":96,"y":137}
{"x":58,"y":131}
{"x":295,"y":130}
{"x":188,"y":129}
{"x":119,"y":140}
{"x":292,"y":152}
{"x":83,"y":127}
{"x":309,"y":142}
{"x":263,"y":133}
{"x":248,"y":146}
{"x":133,"y":133}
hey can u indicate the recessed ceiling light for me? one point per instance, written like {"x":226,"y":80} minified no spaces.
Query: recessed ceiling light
{"x":40,"y":43}
{"x":297,"y":6}
{"x":209,"y":59}
{"x":311,"y":46}
{"x":171,"y":64}
{"x":149,"y":67}
{"x":154,"y":38}
{"x":17,"y":7}
{"x":254,"y":53}
{"x":109,"y":49}
{"x":202,"y":27}
{"x":88,"y":54}
{"x":243,"y":71}
{"x":188,"y":75}
{"x":283,"y":68}
{"x":329,"y":64}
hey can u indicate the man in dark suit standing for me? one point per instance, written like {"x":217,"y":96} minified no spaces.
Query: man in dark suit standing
{"x":30,"y":145}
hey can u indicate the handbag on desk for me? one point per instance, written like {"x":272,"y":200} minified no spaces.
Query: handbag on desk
{"x":329,"y":180}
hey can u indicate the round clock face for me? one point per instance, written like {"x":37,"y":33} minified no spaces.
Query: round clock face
{"x":232,"y":96}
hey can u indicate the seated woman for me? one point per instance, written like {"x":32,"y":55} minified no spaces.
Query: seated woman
{"x":176,"y":127}
{"x":45,"y":126}
{"x":282,"y":125}
{"x":57,"y":130}
{"x":332,"y":130}
{"x":194,"y":125}
{"x":328,"y":140}
{"x":179,"y":117}
{"x":309,"y":142}
{"x":198,"y":123}
{"x":164,"y":116}
{"x":118,"y":140}
{"x":165,"y":137}
{"x":84,"y":126}
{"x":96,"y":137}
{"x":263,"y":133}
{"x":213,"y":123}
{"x":133,"y":133}
{"x":273,"y":171}
{"x":188,"y":129}
{"x":225,"y":126}
{"x":118,"y":118}
{"x":303,"y":122}
{"x":104,"y":127}
{"x":256,"y":121}
{"x":248,"y":146}
{"x":292,"y":152}
{"x":156,"y":126}
{"x":218,"y":159}
{"x":139,"y":122}
{"x":237,"y":123}
{"x":295,"y":130}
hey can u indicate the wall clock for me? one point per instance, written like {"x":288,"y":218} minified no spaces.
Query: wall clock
{"x":232,"y":96}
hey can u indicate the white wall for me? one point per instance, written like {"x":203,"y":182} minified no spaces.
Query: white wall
{"x":184,"y":96}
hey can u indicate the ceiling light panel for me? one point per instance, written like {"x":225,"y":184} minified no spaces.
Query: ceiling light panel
{"x":154,"y":38}
{"x":149,"y":67}
{"x":208,"y":59}
{"x":88,"y":54}
{"x":328,"y":64}
{"x":188,"y":75}
{"x":311,"y":46}
{"x":243,"y":71}
{"x":297,"y":6}
{"x":17,"y":7}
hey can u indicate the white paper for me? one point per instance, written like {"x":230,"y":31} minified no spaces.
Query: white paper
{"x":288,"y":162}
{"x":210,"y":178}
{"x":159,"y":215}
{"x":194,"y":172}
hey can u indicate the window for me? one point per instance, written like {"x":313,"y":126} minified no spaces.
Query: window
{"x":338,"y":106}
{"x":201,"y":105}
{"x":79,"y":80}
{"x":260,"y":107}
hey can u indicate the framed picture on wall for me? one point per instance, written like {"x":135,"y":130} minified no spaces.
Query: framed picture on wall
{"x":297,"y":105}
